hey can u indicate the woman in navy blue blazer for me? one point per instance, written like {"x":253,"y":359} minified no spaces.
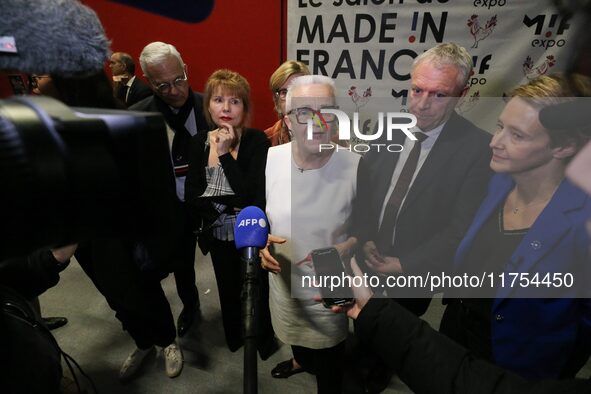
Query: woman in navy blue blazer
{"x":531,"y":224}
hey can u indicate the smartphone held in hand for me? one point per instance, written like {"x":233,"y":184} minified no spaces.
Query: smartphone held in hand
{"x":331,"y":276}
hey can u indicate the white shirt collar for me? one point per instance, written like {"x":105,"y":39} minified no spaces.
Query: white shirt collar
{"x":130,"y":81}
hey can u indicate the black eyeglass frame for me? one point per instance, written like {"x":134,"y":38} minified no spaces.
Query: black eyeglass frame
{"x":329,"y":118}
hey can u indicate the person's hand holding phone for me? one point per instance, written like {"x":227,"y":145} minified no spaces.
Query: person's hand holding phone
{"x":362,"y":295}
{"x":330,"y":271}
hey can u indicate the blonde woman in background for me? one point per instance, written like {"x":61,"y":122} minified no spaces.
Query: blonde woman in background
{"x":278,"y":83}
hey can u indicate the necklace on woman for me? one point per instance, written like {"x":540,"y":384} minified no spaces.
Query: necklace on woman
{"x":517,"y":209}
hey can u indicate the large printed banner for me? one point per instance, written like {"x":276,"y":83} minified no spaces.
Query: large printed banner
{"x":368,"y":46}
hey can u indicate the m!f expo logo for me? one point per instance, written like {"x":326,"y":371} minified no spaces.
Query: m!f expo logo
{"x":402,"y":121}
{"x":548,"y":29}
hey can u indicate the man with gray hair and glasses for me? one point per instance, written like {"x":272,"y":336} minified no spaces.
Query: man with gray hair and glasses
{"x":182,"y":109}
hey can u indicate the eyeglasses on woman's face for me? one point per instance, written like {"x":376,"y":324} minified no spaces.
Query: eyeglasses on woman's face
{"x":281,"y":93}
{"x":305,"y":114}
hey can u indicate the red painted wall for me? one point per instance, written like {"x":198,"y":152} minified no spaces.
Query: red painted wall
{"x":245,"y":36}
{"x":6,"y":88}
{"x":240,"y":35}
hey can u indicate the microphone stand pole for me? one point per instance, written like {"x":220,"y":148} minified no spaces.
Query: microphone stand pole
{"x":249,"y":296}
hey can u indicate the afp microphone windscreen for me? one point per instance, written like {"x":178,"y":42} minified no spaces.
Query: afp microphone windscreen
{"x":61,"y":37}
{"x":252,"y":229}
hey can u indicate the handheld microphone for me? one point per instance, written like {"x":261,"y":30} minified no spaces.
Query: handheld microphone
{"x":61,"y":37}
{"x":251,"y":232}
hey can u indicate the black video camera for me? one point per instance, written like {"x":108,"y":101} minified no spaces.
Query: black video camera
{"x":74,"y":174}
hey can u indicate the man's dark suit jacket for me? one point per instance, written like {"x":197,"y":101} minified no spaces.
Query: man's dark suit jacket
{"x":440,"y":204}
{"x":148,"y":105}
{"x":137,"y":92}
